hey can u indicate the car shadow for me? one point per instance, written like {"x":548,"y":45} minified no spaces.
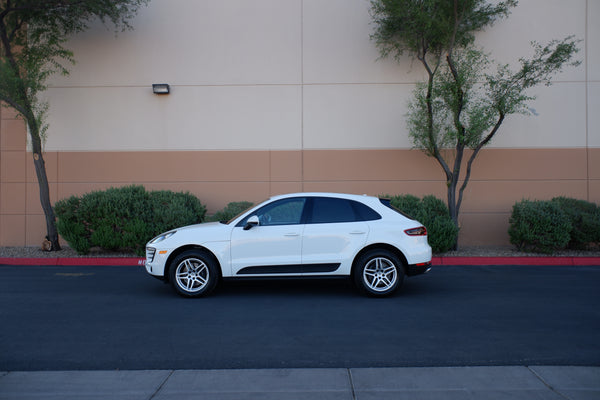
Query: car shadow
{"x":415,"y":287}
{"x":341,"y":287}
{"x":276,"y":287}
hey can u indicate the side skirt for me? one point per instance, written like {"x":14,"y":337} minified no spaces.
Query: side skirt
{"x":302,"y":269}
{"x":284,"y":278}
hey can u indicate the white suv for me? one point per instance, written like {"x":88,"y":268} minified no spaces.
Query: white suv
{"x":296,"y":235}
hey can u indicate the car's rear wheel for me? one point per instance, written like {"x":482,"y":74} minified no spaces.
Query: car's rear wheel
{"x":379,"y":273}
{"x":194,"y":273}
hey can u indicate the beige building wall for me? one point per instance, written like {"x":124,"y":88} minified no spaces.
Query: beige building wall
{"x":275,"y":96}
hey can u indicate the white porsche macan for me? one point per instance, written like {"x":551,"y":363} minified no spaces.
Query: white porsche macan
{"x":296,"y":235}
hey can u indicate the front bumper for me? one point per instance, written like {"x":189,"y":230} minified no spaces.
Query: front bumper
{"x":156,"y":260}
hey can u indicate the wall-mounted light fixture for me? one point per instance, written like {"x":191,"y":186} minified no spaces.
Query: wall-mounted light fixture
{"x":160,"y":88}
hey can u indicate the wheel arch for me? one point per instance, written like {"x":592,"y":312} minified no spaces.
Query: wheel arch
{"x":175,"y":253}
{"x":380,"y":246}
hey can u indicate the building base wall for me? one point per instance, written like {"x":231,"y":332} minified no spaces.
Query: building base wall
{"x":500,"y":178}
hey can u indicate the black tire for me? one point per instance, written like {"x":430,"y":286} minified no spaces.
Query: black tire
{"x":378,"y":273}
{"x":194,"y":273}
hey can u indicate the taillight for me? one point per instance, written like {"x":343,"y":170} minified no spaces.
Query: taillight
{"x":420,"y":231}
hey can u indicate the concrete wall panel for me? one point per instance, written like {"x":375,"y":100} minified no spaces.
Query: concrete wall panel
{"x":593,"y":40}
{"x":557,"y":119}
{"x":540,"y":21}
{"x":190,"y":118}
{"x":339,"y":50}
{"x":194,"y":42}
{"x":593,"y":114}
{"x":355,"y":116}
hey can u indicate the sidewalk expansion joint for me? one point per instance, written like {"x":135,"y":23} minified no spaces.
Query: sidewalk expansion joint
{"x":549,"y":386}
{"x":163,"y":383}
{"x":351,"y":383}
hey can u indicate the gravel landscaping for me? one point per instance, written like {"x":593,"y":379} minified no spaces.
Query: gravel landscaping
{"x":66,"y":252}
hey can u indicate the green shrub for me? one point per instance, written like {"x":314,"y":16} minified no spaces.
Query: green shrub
{"x":230,"y":211}
{"x":70,"y":227}
{"x":432,"y":212}
{"x":539,"y":226}
{"x":585,"y":222}
{"x":170,"y":210}
{"x":123,"y":218}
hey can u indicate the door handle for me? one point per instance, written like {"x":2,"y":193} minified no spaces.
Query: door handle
{"x":292,"y":234}
{"x":358,"y":232}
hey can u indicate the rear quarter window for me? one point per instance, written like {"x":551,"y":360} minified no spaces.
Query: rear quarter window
{"x":388,"y":204}
{"x":365,"y":213}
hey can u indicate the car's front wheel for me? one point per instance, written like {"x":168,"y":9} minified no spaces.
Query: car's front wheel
{"x":194,"y":273}
{"x":379,"y":273}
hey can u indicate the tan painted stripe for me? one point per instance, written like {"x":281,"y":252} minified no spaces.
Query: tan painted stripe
{"x":500,"y":178}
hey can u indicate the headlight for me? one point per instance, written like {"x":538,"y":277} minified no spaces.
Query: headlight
{"x":162,"y":237}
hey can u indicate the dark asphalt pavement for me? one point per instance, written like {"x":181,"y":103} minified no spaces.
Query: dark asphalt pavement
{"x":108,"y":318}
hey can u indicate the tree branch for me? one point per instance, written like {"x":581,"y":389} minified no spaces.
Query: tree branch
{"x":434,"y":148}
{"x":476,"y":150}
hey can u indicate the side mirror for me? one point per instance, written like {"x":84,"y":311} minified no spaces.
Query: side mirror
{"x":251,"y":222}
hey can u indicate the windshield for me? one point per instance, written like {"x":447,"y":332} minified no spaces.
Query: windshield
{"x":239,"y":213}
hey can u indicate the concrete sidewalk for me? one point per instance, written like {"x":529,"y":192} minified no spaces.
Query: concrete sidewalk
{"x":447,"y":383}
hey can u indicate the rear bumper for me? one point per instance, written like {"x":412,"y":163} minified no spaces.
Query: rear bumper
{"x":418,"y":269}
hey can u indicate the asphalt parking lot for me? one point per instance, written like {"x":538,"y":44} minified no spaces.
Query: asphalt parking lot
{"x":458,"y":332}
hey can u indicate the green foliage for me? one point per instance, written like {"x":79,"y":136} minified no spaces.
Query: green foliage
{"x":70,"y":226}
{"x":408,"y":204}
{"x":170,"y":210}
{"x":433,"y":213}
{"x":550,"y":226}
{"x":32,"y":38}
{"x":506,"y":90}
{"x":585,"y":222}
{"x":230,"y":211}
{"x":431,"y":27}
{"x":539,"y":226}
{"x":124,"y":218}
{"x":438,"y":118}
{"x":33,"y":34}
{"x":462,"y":104}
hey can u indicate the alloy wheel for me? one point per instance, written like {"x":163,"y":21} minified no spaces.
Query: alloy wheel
{"x":192,"y":274}
{"x":380,"y":274}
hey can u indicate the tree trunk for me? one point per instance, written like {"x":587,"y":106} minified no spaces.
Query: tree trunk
{"x":40,"y":170}
{"x":452,"y":206}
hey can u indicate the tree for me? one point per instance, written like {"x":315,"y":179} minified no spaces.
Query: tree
{"x":32,"y":38}
{"x":461,"y":105}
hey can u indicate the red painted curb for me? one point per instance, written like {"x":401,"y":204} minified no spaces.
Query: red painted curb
{"x":70,"y":261}
{"x":586,"y":260}
{"x":548,"y":261}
